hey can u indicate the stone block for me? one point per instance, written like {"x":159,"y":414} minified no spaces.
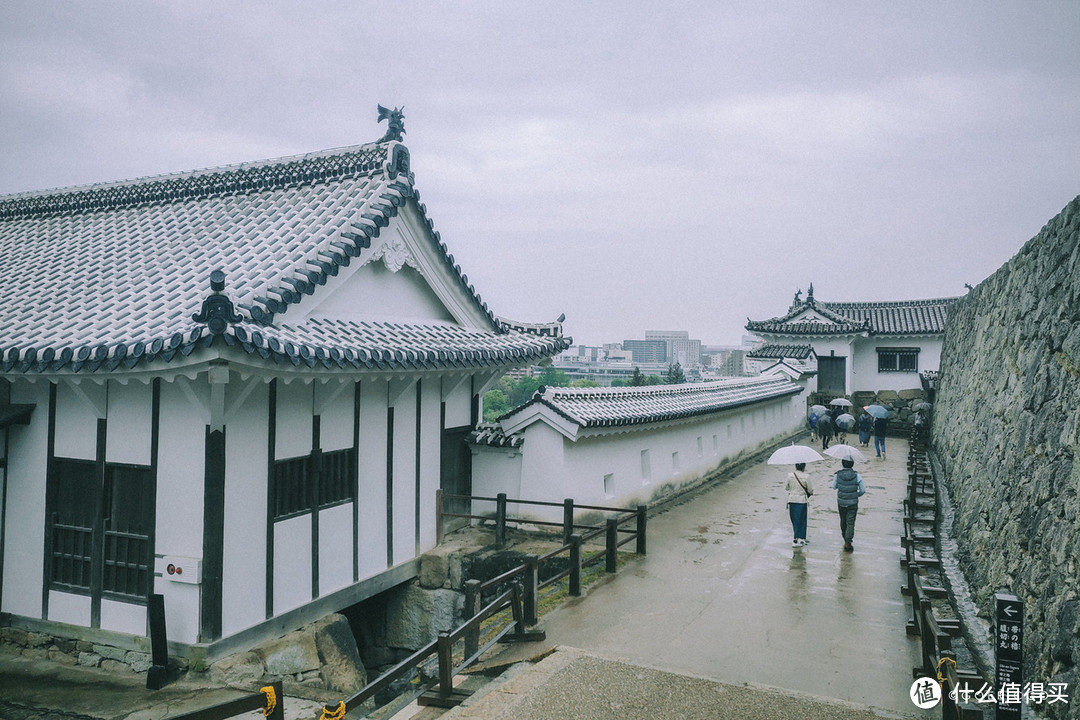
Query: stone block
{"x":65,"y":645}
{"x":291,"y":654}
{"x":38,"y":653}
{"x":434,"y":568}
{"x":107,"y":652}
{"x":89,"y":659}
{"x":884,"y":397}
{"x":139,"y":662}
{"x":418,"y":615}
{"x":341,"y":668}
{"x":115,"y":666}
{"x":240,"y":670}
{"x":38,"y":640}
{"x":910,"y":394}
{"x":61,"y":657}
{"x":16,"y":636}
{"x":84,"y":646}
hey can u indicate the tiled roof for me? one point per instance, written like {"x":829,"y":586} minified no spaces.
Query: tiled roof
{"x":912,"y":317}
{"x":602,"y":407}
{"x":778,"y":351}
{"x":491,"y":435}
{"x":109,"y":276}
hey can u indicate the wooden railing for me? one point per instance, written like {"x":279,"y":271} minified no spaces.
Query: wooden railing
{"x":937,"y":659}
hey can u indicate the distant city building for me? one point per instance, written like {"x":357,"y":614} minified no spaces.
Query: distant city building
{"x":647,"y":351}
{"x":680,"y":347}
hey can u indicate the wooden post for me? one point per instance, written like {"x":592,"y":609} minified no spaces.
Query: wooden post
{"x":473,"y":601}
{"x":516,"y":610}
{"x":532,"y":592}
{"x":438,"y":516}
{"x":642,"y":514}
{"x":446,"y":665}
{"x":158,"y":675}
{"x":279,"y":707}
{"x":575,"y":565}
{"x":567,"y":519}
{"x":611,"y":555}
{"x":500,"y":520}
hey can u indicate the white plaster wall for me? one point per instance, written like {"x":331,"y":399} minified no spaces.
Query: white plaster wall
{"x":292,"y":563}
{"x":244,"y":563}
{"x":335,"y":548}
{"x":179,"y":531}
{"x":405,"y":497}
{"x":130,"y":420}
{"x":295,"y":409}
{"x":69,"y":608}
{"x":78,"y":408}
{"x":124,"y":617}
{"x":458,"y":402}
{"x":25,"y":532}
{"x":430,"y":448}
{"x":372,"y":495}
{"x":867,"y":377}
{"x":334,"y":404}
{"x":497,"y":470}
{"x":554,"y":467}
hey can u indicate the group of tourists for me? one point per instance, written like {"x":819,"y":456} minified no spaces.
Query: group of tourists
{"x":849,"y":488}
{"x":836,"y":422}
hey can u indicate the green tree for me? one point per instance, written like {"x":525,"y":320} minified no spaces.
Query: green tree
{"x":495,"y":404}
{"x":638,"y":378}
{"x":554,"y":378}
{"x":654,"y":380}
{"x":584,"y":383}
{"x":675,"y":374}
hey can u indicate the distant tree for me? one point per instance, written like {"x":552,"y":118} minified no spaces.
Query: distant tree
{"x":553,"y":377}
{"x":638,"y":377}
{"x":620,"y":382}
{"x":495,"y":404}
{"x":675,"y":374}
{"x":584,"y":383}
{"x":654,"y":380}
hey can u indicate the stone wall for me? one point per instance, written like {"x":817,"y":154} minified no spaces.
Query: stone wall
{"x":1006,"y":430}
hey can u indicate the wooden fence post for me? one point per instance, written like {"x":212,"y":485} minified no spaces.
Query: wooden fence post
{"x":446,"y":665}
{"x":516,"y":609}
{"x":611,"y":556}
{"x":438,"y":516}
{"x":532,"y":592}
{"x":279,"y":707}
{"x":500,"y":520}
{"x":568,"y":519}
{"x":575,"y":565}
{"x":642,"y":513}
{"x":473,"y":603}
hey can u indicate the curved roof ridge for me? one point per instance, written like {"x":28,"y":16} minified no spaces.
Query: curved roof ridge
{"x":239,"y":177}
{"x":888,"y":303}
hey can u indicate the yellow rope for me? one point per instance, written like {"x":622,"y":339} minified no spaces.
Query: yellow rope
{"x":271,"y":700}
{"x":942,"y":661}
{"x":337,"y":713}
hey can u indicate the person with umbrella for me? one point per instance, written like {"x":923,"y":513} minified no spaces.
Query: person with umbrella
{"x":849,"y":488}
{"x":825,"y":430}
{"x":844,"y":423}
{"x":880,"y":414}
{"x":866,"y":426}
{"x":798,"y":487}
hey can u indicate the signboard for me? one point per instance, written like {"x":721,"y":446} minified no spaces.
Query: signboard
{"x":1009,"y":651}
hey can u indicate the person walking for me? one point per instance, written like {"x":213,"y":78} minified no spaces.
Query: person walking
{"x":799,"y":489}
{"x":881,"y":425}
{"x":825,"y":430}
{"x":849,"y":488}
{"x":813,"y":425}
{"x":866,"y":426}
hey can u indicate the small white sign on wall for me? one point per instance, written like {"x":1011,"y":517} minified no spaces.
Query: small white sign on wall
{"x":182,"y":569}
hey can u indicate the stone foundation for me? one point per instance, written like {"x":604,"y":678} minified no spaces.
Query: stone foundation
{"x":65,"y":651}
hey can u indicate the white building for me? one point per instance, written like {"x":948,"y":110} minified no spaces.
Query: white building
{"x":625,"y":446}
{"x":237,"y":387}
{"x":858,"y":346}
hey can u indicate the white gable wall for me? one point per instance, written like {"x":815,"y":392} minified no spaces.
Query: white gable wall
{"x":865,"y":371}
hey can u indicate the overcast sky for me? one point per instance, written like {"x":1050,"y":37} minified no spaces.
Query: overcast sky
{"x":636,"y":166}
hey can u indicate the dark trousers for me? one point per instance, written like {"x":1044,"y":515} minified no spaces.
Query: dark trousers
{"x":847,"y":520}
{"x":797,"y":511}
{"x":825,"y":441}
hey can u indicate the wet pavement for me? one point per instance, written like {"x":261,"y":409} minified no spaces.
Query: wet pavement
{"x":723,"y":596}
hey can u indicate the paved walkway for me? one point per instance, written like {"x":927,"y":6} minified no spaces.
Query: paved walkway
{"x":722,"y":597}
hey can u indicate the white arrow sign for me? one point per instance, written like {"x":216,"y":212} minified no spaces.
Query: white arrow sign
{"x":1009,"y":610}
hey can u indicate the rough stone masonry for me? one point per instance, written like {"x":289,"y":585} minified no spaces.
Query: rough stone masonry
{"x":1006,"y":429}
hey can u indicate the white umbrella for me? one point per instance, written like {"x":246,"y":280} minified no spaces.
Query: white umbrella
{"x":845,"y":452}
{"x":842,"y":402}
{"x":818,"y":409}
{"x":845,"y":422}
{"x":923,"y":406}
{"x":878,"y":411}
{"x":793,"y":455}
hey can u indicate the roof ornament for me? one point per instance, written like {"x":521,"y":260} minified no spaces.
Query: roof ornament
{"x":810,"y":295}
{"x":798,"y":297}
{"x":217,"y":309}
{"x":395,"y":126}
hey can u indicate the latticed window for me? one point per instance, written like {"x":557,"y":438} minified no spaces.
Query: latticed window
{"x":318,"y":480}
{"x":120,"y":546}
{"x":898,"y":359}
